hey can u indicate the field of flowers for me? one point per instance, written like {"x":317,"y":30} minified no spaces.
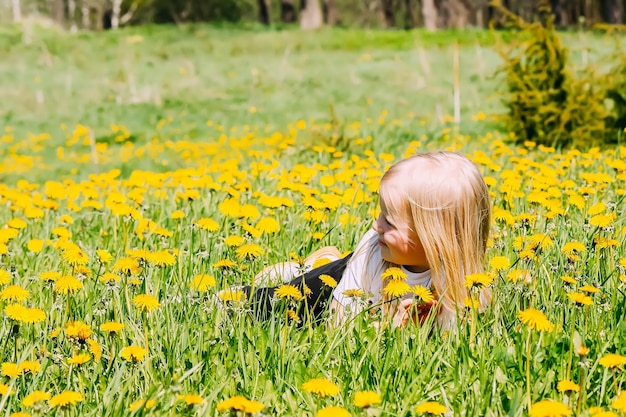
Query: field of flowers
{"x":112,"y":283}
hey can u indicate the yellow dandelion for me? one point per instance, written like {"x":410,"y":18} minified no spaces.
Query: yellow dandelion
{"x":232,"y":295}
{"x":17,"y":223}
{"x":14,"y":293}
{"x":396,"y":288}
{"x":423,"y":294}
{"x":354,"y":293}
{"x":133,"y":354}
{"x":207,"y":224}
{"x":320,"y":262}
{"x":536,"y":320}
{"x":249,"y":250}
{"x":240,"y":403}
{"x":5,"y":277}
{"x":35,"y":245}
{"x":67,"y":285}
{"x":567,"y":385}
{"x":30,"y":367}
{"x":478,"y":281}
{"x":393,"y":273}
{"x":104,"y":257}
{"x":191,"y":399}
{"x":289,"y":292}
{"x":549,"y":408}
{"x":95,"y":349}
{"x":568,"y":279}
{"x":10,"y":370}
{"x":75,"y":256}
{"x":602,"y":221}
{"x":111,"y":327}
{"x":268,"y":225}
{"x":146,"y":405}
{"x":293,"y":316}
{"x":580,"y":299}
{"x":328,"y":280}
{"x":612,"y":360}
{"x":431,"y":408}
{"x":202,"y":282}
{"x":589,"y":289}
{"x":499,"y":263}
{"x":620,"y":402}
{"x":364,"y":399}
{"x":19,"y":313}
{"x":109,"y":277}
{"x":146,"y":302}
{"x":5,"y":390}
{"x":321,"y":387}
{"x":234,"y":240}
{"x":127,"y":266}
{"x":177,"y":214}
{"x":79,"y":359}
{"x":66,"y":398}
{"x":35,"y":397}
{"x":78,"y":330}
{"x":224,"y":263}
{"x":332,"y":411}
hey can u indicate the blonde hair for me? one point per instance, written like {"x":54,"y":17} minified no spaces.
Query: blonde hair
{"x":443,"y":198}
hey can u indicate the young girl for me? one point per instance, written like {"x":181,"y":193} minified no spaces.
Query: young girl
{"x":434,"y":224}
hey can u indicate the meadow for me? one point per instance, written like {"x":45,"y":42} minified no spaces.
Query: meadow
{"x":145,"y":172}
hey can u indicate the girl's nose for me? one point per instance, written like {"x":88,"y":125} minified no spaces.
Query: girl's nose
{"x":376,"y":225}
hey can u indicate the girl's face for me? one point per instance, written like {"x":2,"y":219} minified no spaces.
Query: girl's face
{"x":399,"y":244}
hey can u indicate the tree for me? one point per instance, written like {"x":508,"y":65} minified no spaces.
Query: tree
{"x":311,"y":15}
{"x":388,"y":13}
{"x":287,"y":11}
{"x":612,"y":11}
{"x":264,"y":11}
{"x":430,"y":15}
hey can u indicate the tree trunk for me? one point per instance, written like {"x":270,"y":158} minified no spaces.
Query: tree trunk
{"x":116,"y":10}
{"x":455,"y":13}
{"x":287,"y":11}
{"x":311,"y":15}
{"x":84,"y":11}
{"x":387,"y":7}
{"x":612,"y":11}
{"x":561,"y":15}
{"x":264,"y":11}
{"x":429,"y":12}
{"x":71,"y":12}
{"x":330,"y":12}
{"x":17,"y":11}
{"x":57,"y":11}
{"x":409,"y":15}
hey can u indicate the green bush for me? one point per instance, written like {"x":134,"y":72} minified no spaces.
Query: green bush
{"x":547,"y":103}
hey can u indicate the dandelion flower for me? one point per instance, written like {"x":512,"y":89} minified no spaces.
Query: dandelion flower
{"x":393,"y":273}
{"x":536,"y":320}
{"x":478,"y":281}
{"x":111,"y":327}
{"x":14,"y":293}
{"x":202,"y":282}
{"x":5,"y":277}
{"x":23,"y":314}
{"x":207,"y":224}
{"x":567,"y":385}
{"x":162,"y":258}
{"x":30,"y":367}
{"x":321,"y":387}
{"x":231,"y":295}
{"x":580,"y":298}
{"x":191,"y":399}
{"x":79,"y":359}
{"x":333,"y":411}
{"x":17,"y":223}
{"x":568,"y":279}
{"x":499,"y":263}
{"x":127,"y":266}
{"x":234,"y":240}
{"x":589,"y":289}
{"x":146,"y":302}
{"x":146,"y":405}
{"x":602,"y":220}
{"x":249,"y":250}
{"x":65,"y":398}
{"x":328,"y":280}
{"x":268,"y":225}
{"x":240,"y":403}
{"x":423,"y":294}
{"x":620,"y":402}
{"x":289,"y":292}
{"x":612,"y":360}
{"x":104,"y":257}
{"x":224,"y":263}
{"x":396,"y":288}
{"x":35,"y":245}
{"x":78,"y":330}
{"x":432,"y":408}
{"x":95,"y":349}
{"x":549,"y":408}
{"x":35,"y":397}
{"x":10,"y":370}
{"x":75,"y":256}
{"x":5,"y":390}
{"x":133,"y":354}
{"x":67,"y":285}
{"x":293,"y":316}
{"x":366,"y":399}
{"x":354,"y":293}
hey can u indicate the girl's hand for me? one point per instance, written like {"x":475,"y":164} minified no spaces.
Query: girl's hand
{"x":407,"y":309}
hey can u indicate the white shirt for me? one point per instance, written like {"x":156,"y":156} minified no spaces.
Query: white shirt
{"x":365,"y":274}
